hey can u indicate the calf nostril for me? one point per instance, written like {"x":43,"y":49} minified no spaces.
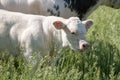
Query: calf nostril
{"x":85,"y":46}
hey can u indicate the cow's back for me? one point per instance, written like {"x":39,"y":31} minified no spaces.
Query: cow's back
{"x":12,"y":27}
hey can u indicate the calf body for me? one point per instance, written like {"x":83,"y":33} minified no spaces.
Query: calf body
{"x":63,"y":8}
{"x":33,"y":33}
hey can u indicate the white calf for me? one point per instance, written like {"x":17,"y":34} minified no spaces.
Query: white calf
{"x":34,"y":33}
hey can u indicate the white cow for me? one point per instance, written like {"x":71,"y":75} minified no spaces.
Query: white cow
{"x":35,"y":33}
{"x":63,"y":8}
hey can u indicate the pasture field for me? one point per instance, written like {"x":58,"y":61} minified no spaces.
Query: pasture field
{"x":100,"y":62}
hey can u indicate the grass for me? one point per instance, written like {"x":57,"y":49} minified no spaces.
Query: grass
{"x":100,"y":62}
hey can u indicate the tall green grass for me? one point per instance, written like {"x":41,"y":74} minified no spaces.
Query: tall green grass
{"x":100,"y":62}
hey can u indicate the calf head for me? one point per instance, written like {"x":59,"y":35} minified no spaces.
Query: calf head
{"x":73,"y":32}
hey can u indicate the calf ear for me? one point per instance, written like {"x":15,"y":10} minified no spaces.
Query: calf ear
{"x":88,"y":23}
{"x":58,"y":25}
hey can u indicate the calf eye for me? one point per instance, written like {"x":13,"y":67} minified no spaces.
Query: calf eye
{"x":73,"y":33}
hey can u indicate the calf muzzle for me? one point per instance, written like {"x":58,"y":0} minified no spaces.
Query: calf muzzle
{"x":84,"y":45}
